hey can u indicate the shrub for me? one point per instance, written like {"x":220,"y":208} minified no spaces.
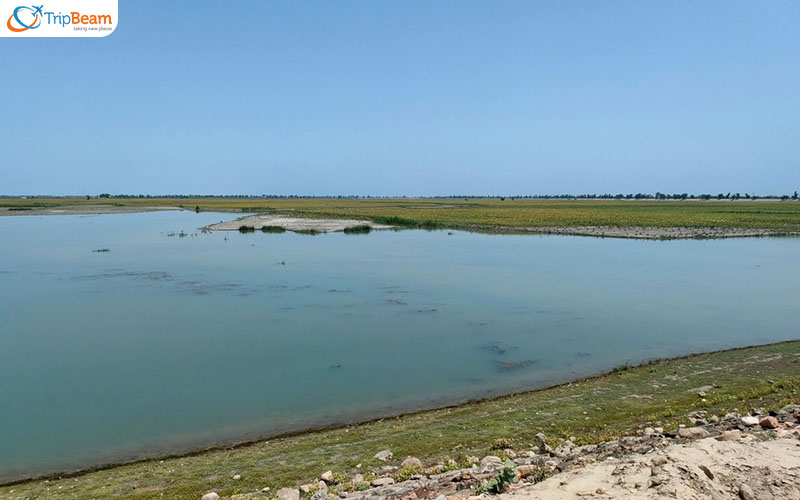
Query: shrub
{"x":247,"y":229}
{"x":360,"y":229}
{"x":272,"y":229}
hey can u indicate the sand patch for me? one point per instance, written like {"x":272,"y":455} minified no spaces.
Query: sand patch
{"x":293,"y":223}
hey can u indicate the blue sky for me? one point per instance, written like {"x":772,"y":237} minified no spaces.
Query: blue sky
{"x":409,"y":98}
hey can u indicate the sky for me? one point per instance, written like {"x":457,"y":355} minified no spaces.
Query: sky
{"x":407,"y":97}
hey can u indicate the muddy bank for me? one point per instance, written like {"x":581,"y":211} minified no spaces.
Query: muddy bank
{"x":257,"y":222}
{"x":81,"y":210}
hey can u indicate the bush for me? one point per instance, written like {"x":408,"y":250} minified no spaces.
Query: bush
{"x":360,"y":229}
{"x":272,"y":229}
{"x":247,"y":229}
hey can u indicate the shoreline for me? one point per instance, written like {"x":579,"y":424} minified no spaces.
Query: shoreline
{"x":346,"y":425}
{"x":78,"y":209}
{"x":627,"y":219}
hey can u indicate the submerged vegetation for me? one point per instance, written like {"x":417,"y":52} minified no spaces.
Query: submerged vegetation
{"x":590,"y":410}
{"x":360,"y":229}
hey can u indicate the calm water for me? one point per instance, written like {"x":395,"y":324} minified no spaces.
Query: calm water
{"x":167,"y":342}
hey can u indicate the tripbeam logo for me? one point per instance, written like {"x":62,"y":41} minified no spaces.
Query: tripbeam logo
{"x":16,"y":24}
{"x":59,"y":18}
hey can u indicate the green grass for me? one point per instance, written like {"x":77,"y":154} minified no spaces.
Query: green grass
{"x":591,"y":410}
{"x":488,"y":213}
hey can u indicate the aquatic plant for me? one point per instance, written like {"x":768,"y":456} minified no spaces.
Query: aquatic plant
{"x":101,"y":250}
{"x":273,"y":229}
{"x":246,"y":229}
{"x":622,"y":368}
{"x":360,"y":229}
{"x":505,"y":366}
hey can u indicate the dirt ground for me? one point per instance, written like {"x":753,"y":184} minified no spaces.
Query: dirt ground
{"x":704,"y":469}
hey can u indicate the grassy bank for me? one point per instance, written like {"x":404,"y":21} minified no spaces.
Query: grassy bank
{"x":487,"y":213}
{"x":592,"y":410}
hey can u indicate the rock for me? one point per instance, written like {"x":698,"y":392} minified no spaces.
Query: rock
{"x":210,"y":496}
{"x":384,"y":455}
{"x":524,"y":471}
{"x":749,"y":421}
{"x":706,"y":471}
{"x":510,"y":453}
{"x":692,"y":433}
{"x":659,"y":430}
{"x":320,"y":495}
{"x":306,"y":488}
{"x":382,"y":481}
{"x":746,"y":493}
{"x":713,"y":419}
{"x":386,"y":470}
{"x":649,"y":431}
{"x":237,"y":477}
{"x":265,"y":489}
{"x":288,"y":494}
{"x":544,"y":449}
{"x":565,"y":448}
{"x":322,"y":486}
{"x":658,"y":460}
{"x":327,"y":476}
{"x":733,"y":435}
{"x":342,"y":494}
{"x":441,"y":497}
{"x":600,"y":491}
{"x":357,"y":479}
{"x":769,"y":423}
{"x":411,"y":462}
{"x":491,"y":460}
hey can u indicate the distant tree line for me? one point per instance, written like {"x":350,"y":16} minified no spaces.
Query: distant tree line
{"x":605,"y":196}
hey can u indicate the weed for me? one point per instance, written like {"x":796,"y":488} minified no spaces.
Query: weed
{"x":507,"y":475}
